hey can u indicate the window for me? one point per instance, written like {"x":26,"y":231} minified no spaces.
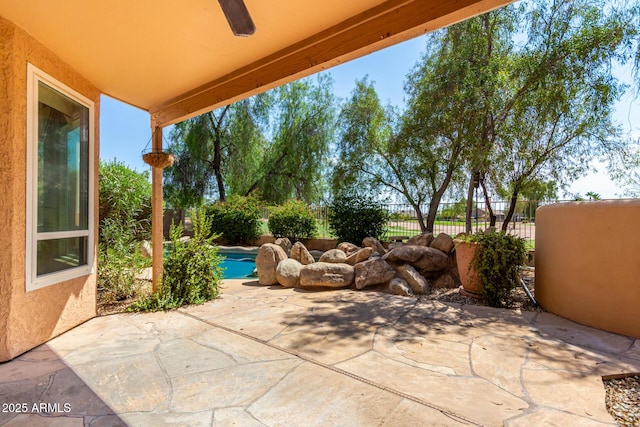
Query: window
{"x":59,"y":182}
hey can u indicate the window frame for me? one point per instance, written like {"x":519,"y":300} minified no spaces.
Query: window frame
{"x":32,"y":280}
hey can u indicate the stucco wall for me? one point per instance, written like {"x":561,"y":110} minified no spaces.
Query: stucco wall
{"x":588,"y":263}
{"x":28,"y":319}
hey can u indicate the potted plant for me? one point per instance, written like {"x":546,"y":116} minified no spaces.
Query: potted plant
{"x":488,"y":263}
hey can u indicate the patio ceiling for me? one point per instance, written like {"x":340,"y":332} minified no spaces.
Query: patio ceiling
{"x":177,"y":59}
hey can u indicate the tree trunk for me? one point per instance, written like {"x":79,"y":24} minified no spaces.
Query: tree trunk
{"x":217,"y":170}
{"x":468,"y":225}
{"x":419,"y":214}
{"x":487,"y":200}
{"x":217,"y":150}
{"x":435,"y":201}
{"x":512,"y":208}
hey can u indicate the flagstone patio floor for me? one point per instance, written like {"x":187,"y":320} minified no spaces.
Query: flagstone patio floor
{"x":270,"y":356}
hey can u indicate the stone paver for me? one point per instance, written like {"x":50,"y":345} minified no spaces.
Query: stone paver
{"x":270,"y":356}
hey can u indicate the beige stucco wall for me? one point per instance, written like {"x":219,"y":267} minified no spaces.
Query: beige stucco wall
{"x":588,"y":263}
{"x":28,"y":319}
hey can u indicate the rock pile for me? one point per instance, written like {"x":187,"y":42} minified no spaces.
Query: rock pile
{"x":407,"y":269}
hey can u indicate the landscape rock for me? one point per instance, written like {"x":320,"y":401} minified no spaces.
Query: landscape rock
{"x":300,"y":253}
{"x":326,"y":274}
{"x":413,"y":278}
{"x":370,"y":242}
{"x":359,"y":256}
{"x":446,"y":281}
{"x":374,"y":271}
{"x":284,"y":243}
{"x":348,"y":248}
{"x":398,"y":286}
{"x":421,"y":257}
{"x":443,"y":242}
{"x":288,"y":272}
{"x":268,"y":258}
{"x":333,"y":255}
{"x":394,"y":245}
{"x":423,"y":239}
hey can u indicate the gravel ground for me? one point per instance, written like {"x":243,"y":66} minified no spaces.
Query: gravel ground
{"x":520,"y":300}
{"x":623,"y":400}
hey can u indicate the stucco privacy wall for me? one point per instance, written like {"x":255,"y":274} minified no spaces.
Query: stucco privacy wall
{"x":28,"y":319}
{"x":588,"y":263}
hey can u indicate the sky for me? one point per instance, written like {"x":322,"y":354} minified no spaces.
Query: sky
{"x":125,"y":131}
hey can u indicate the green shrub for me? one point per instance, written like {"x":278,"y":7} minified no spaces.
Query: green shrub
{"x":400,"y":216}
{"x":237,"y":219}
{"x":497,"y":264}
{"x":125,"y":220}
{"x":119,"y":262}
{"x":353,"y":217}
{"x":125,"y":197}
{"x":293,"y":220}
{"x":192,"y":272}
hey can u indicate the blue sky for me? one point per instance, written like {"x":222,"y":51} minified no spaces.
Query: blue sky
{"x":125,"y":130}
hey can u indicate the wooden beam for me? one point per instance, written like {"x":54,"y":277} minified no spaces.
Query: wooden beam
{"x":387,"y":24}
{"x":156,"y":213}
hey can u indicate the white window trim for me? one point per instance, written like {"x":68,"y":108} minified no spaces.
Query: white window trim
{"x":32,"y":281}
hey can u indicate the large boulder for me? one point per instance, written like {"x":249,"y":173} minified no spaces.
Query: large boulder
{"x":370,"y":242}
{"x":334,"y":256}
{"x":421,"y":257}
{"x":374,"y":271}
{"x":326,"y":274}
{"x":284,"y":243}
{"x":359,"y":256}
{"x":413,"y":278}
{"x":423,"y":239}
{"x":398,"y":286}
{"x":288,"y":272}
{"x":348,"y":248}
{"x":443,"y":242}
{"x":394,"y":245}
{"x":446,"y":280}
{"x":268,"y":258}
{"x":300,"y":253}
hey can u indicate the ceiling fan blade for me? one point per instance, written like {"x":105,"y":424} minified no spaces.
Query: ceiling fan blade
{"x":238,"y":17}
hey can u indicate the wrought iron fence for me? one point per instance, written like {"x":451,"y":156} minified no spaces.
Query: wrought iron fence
{"x":450,"y":219}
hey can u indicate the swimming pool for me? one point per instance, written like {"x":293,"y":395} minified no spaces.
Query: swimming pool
{"x":237,"y":265}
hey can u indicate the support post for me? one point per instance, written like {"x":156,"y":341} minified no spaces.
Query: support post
{"x":156,"y":213}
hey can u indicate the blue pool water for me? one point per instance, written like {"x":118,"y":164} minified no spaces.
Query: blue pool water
{"x":237,"y":266}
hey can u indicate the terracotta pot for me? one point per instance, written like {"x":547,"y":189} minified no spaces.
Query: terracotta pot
{"x":468,"y":276}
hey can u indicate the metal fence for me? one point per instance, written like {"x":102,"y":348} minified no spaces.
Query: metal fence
{"x":450,"y":219}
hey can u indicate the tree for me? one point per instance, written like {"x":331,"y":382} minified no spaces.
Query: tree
{"x":558,"y":113}
{"x":302,"y":119}
{"x":447,"y":119}
{"x":233,"y":150}
{"x":520,"y":105}
{"x":218,"y":149}
{"x":624,"y":169}
{"x":380,"y":149}
{"x":124,"y":200}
